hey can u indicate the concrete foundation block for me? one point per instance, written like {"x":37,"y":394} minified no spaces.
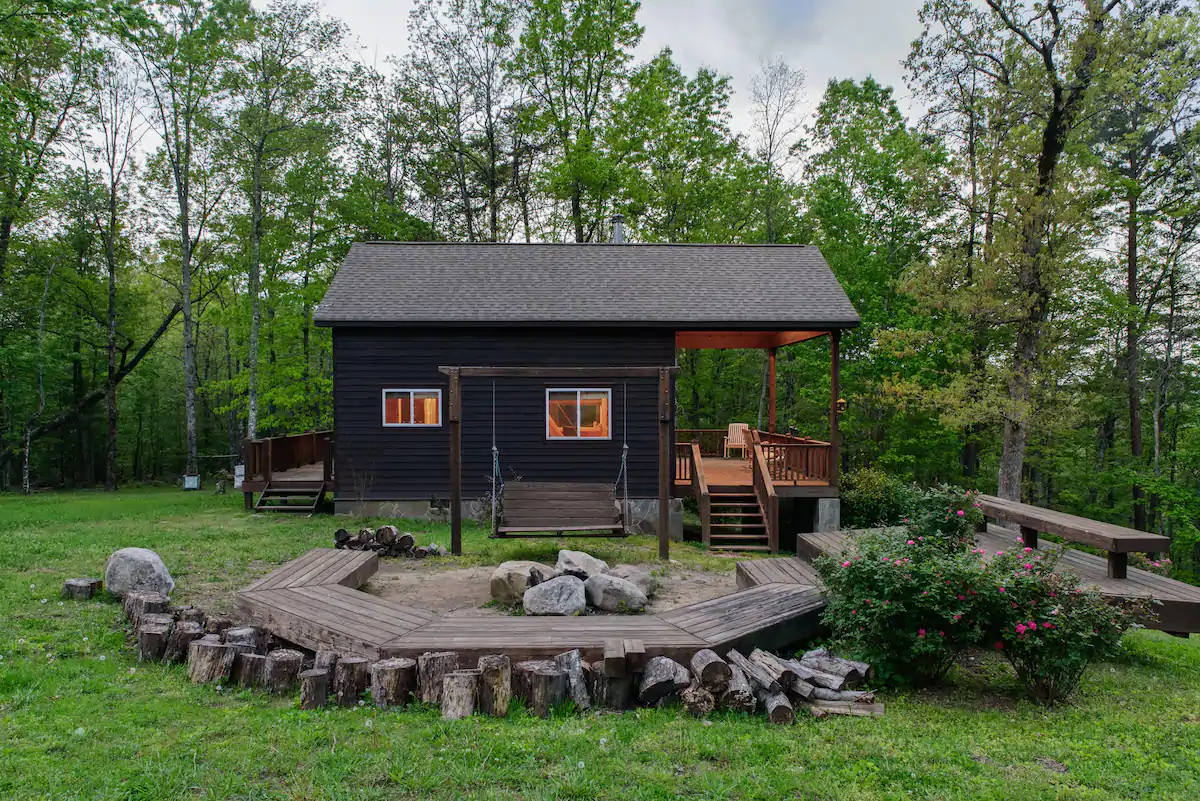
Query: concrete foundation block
{"x":829,"y":514}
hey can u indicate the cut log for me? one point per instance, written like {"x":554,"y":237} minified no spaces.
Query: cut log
{"x":431,"y":669}
{"x":697,"y":700}
{"x":608,"y":691}
{"x":571,"y":663}
{"x":784,"y":671}
{"x":816,"y":677}
{"x":495,"y":684}
{"x":387,"y":535}
{"x":848,"y":708}
{"x":754,"y":672}
{"x":811,"y":708}
{"x":314,"y":688}
{"x":282,"y":671}
{"x":182,"y":634}
{"x":459,"y":690}
{"x":325,"y":660}
{"x":541,"y":684}
{"x":209,"y":661}
{"x":738,"y":697}
{"x":250,"y":636}
{"x":156,"y":619}
{"x":80,"y":589}
{"x":614,"y":658}
{"x":189,"y":614}
{"x":152,"y":641}
{"x":853,"y":696}
{"x":393,"y":682}
{"x":341,"y":539}
{"x":404,"y":544}
{"x":249,"y":669}
{"x":662,"y":677}
{"x":833,"y":666}
{"x":142,"y":603}
{"x":711,"y":671}
{"x":635,"y":656}
{"x":776,"y":706}
{"x":350,"y":680}
{"x":217,"y":624}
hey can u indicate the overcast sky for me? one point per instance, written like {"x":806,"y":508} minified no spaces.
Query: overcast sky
{"x":826,"y":38}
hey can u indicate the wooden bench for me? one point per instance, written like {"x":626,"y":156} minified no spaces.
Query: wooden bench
{"x":535,"y":508}
{"x":1117,"y":541}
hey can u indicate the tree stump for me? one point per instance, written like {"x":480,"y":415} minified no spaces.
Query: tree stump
{"x":190,"y":614}
{"x":662,"y":677}
{"x":541,"y":684}
{"x":738,"y":696}
{"x":80,"y":589}
{"x":249,"y":670}
{"x":182,"y":634}
{"x":571,"y":664}
{"x":217,"y":624}
{"x":326,"y":660}
{"x":431,"y":669}
{"x":697,"y":700}
{"x":393,"y":682}
{"x":282,"y":670}
{"x":152,"y":641}
{"x":608,"y":691}
{"x":209,"y":661}
{"x":246,"y":635}
{"x":459,"y":689}
{"x":142,"y":603}
{"x":711,"y":671}
{"x":350,"y":680}
{"x":314,"y":688}
{"x":495,"y":685}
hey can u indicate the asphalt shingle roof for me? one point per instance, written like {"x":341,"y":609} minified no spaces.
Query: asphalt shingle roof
{"x":406,"y":283}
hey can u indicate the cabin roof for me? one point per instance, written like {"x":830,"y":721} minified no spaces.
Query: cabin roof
{"x":714,"y":286}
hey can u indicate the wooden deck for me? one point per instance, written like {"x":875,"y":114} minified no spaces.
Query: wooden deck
{"x":735,"y":473}
{"x":1177,"y":604}
{"x":314,"y":601}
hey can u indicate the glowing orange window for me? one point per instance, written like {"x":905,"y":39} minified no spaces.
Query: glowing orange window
{"x":578,"y":414}
{"x":412,"y":407}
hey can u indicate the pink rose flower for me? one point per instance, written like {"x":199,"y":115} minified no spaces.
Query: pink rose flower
{"x":920,"y":632}
{"x":961,"y":513}
{"x":846,"y":563}
{"x":1001,"y":589}
{"x":911,"y":542}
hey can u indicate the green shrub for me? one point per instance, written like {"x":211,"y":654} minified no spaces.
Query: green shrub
{"x":946,"y":516}
{"x":871,"y":498}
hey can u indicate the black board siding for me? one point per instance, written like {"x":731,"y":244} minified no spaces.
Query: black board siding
{"x":374,"y":462}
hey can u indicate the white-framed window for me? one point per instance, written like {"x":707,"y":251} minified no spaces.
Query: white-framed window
{"x":578,"y":413}
{"x":412,"y":407}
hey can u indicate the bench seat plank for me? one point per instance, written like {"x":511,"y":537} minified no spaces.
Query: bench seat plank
{"x":1106,"y":536}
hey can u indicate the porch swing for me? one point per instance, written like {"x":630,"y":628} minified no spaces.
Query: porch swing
{"x":544,"y":509}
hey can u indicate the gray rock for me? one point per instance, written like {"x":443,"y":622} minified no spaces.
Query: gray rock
{"x":511,"y":579}
{"x":645,"y":581}
{"x":132,"y":569}
{"x":563,"y":595}
{"x":614,"y":594}
{"x":579,"y":564}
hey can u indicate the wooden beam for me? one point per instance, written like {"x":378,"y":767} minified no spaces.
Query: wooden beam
{"x":557,"y":372}
{"x":771,"y":389}
{"x":699,"y":340}
{"x":835,"y":389}
{"x":665,"y":448}
{"x":455,"y":420}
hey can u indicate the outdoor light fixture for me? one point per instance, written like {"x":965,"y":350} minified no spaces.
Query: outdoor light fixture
{"x":841,"y":405}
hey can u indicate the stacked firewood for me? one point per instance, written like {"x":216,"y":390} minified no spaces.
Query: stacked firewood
{"x":819,"y":682}
{"x":386,"y":541}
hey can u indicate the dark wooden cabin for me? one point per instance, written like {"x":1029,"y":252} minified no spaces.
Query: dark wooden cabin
{"x":402,"y":312}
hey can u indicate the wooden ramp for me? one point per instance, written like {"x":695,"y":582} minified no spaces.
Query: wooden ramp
{"x":1177,"y":606}
{"x":314,"y":601}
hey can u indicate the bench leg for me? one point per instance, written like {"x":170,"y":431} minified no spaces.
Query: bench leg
{"x":1029,"y":536}
{"x":1118,"y":564}
{"x":981,"y":526}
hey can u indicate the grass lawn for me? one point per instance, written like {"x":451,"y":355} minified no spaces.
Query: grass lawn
{"x":79,"y":718}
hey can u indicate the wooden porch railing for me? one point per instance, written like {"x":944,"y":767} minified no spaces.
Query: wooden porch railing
{"x":711,"y":440}
{"x":792,"y":460}
{"x":263,"y":457}
{"x":764,"y":491}
{"x":703,"y":499}
{"x":683,"y":462}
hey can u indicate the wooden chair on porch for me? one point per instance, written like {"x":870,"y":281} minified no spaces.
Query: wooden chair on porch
{"x":735,"y":439}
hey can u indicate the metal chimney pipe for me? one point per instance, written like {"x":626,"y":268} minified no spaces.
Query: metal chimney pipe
{"x":618,"y":229}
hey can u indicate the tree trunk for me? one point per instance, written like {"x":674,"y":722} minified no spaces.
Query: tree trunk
{"x":282,"y":670}
{"x":459,"y":691}
{"x":209,"y":661}
{"x":431,"y":669}
{"x":1133,"y":357}
{"x":314,"y":688}
{"x":350,"y":680}
{"x":393,"y":682}
{"x":495,"y":685}
{"x":255,"y":306}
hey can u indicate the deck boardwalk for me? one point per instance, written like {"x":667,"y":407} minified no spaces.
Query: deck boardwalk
{"x":314,"y":601}
{"x":1176,"y":607}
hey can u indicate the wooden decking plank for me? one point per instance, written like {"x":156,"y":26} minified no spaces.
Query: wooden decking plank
{"x":300,"y":602}
{"x":306,"y":628}
{"x":355,"y":574}
{"x":380,"y":605}
{"x":1096,"y":533}
{"x":344,"y":562}
{"x":312,"y":572}
{"x":355,"y":610}
{"x":285,"y":571}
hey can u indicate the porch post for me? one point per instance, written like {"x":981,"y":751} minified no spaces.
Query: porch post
{"x":455,"y":420}
{"x":771,"y":389}
{"x":835,"y":380}
{"x":665,"y":448}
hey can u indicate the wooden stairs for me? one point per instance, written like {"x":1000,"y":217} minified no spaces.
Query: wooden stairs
{"x":736,"y":521}
{"x":294,"y":497}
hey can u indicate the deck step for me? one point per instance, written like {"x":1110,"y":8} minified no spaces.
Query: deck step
{"x":740,"y":548}
{"x":737,"y":525}
{"x":724,"y":537}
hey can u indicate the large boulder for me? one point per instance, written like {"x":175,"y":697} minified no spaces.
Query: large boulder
{"x":132,"y":569}
{"x":614,"y":594}
{"x":579,"y":564}
{"x":645,"y":581}
{"x":511,"y":579}
{"x":563,"y":595}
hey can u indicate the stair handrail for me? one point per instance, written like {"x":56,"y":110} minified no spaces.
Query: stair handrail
{"x":764,"y":491}
{"x":703,"y":499}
